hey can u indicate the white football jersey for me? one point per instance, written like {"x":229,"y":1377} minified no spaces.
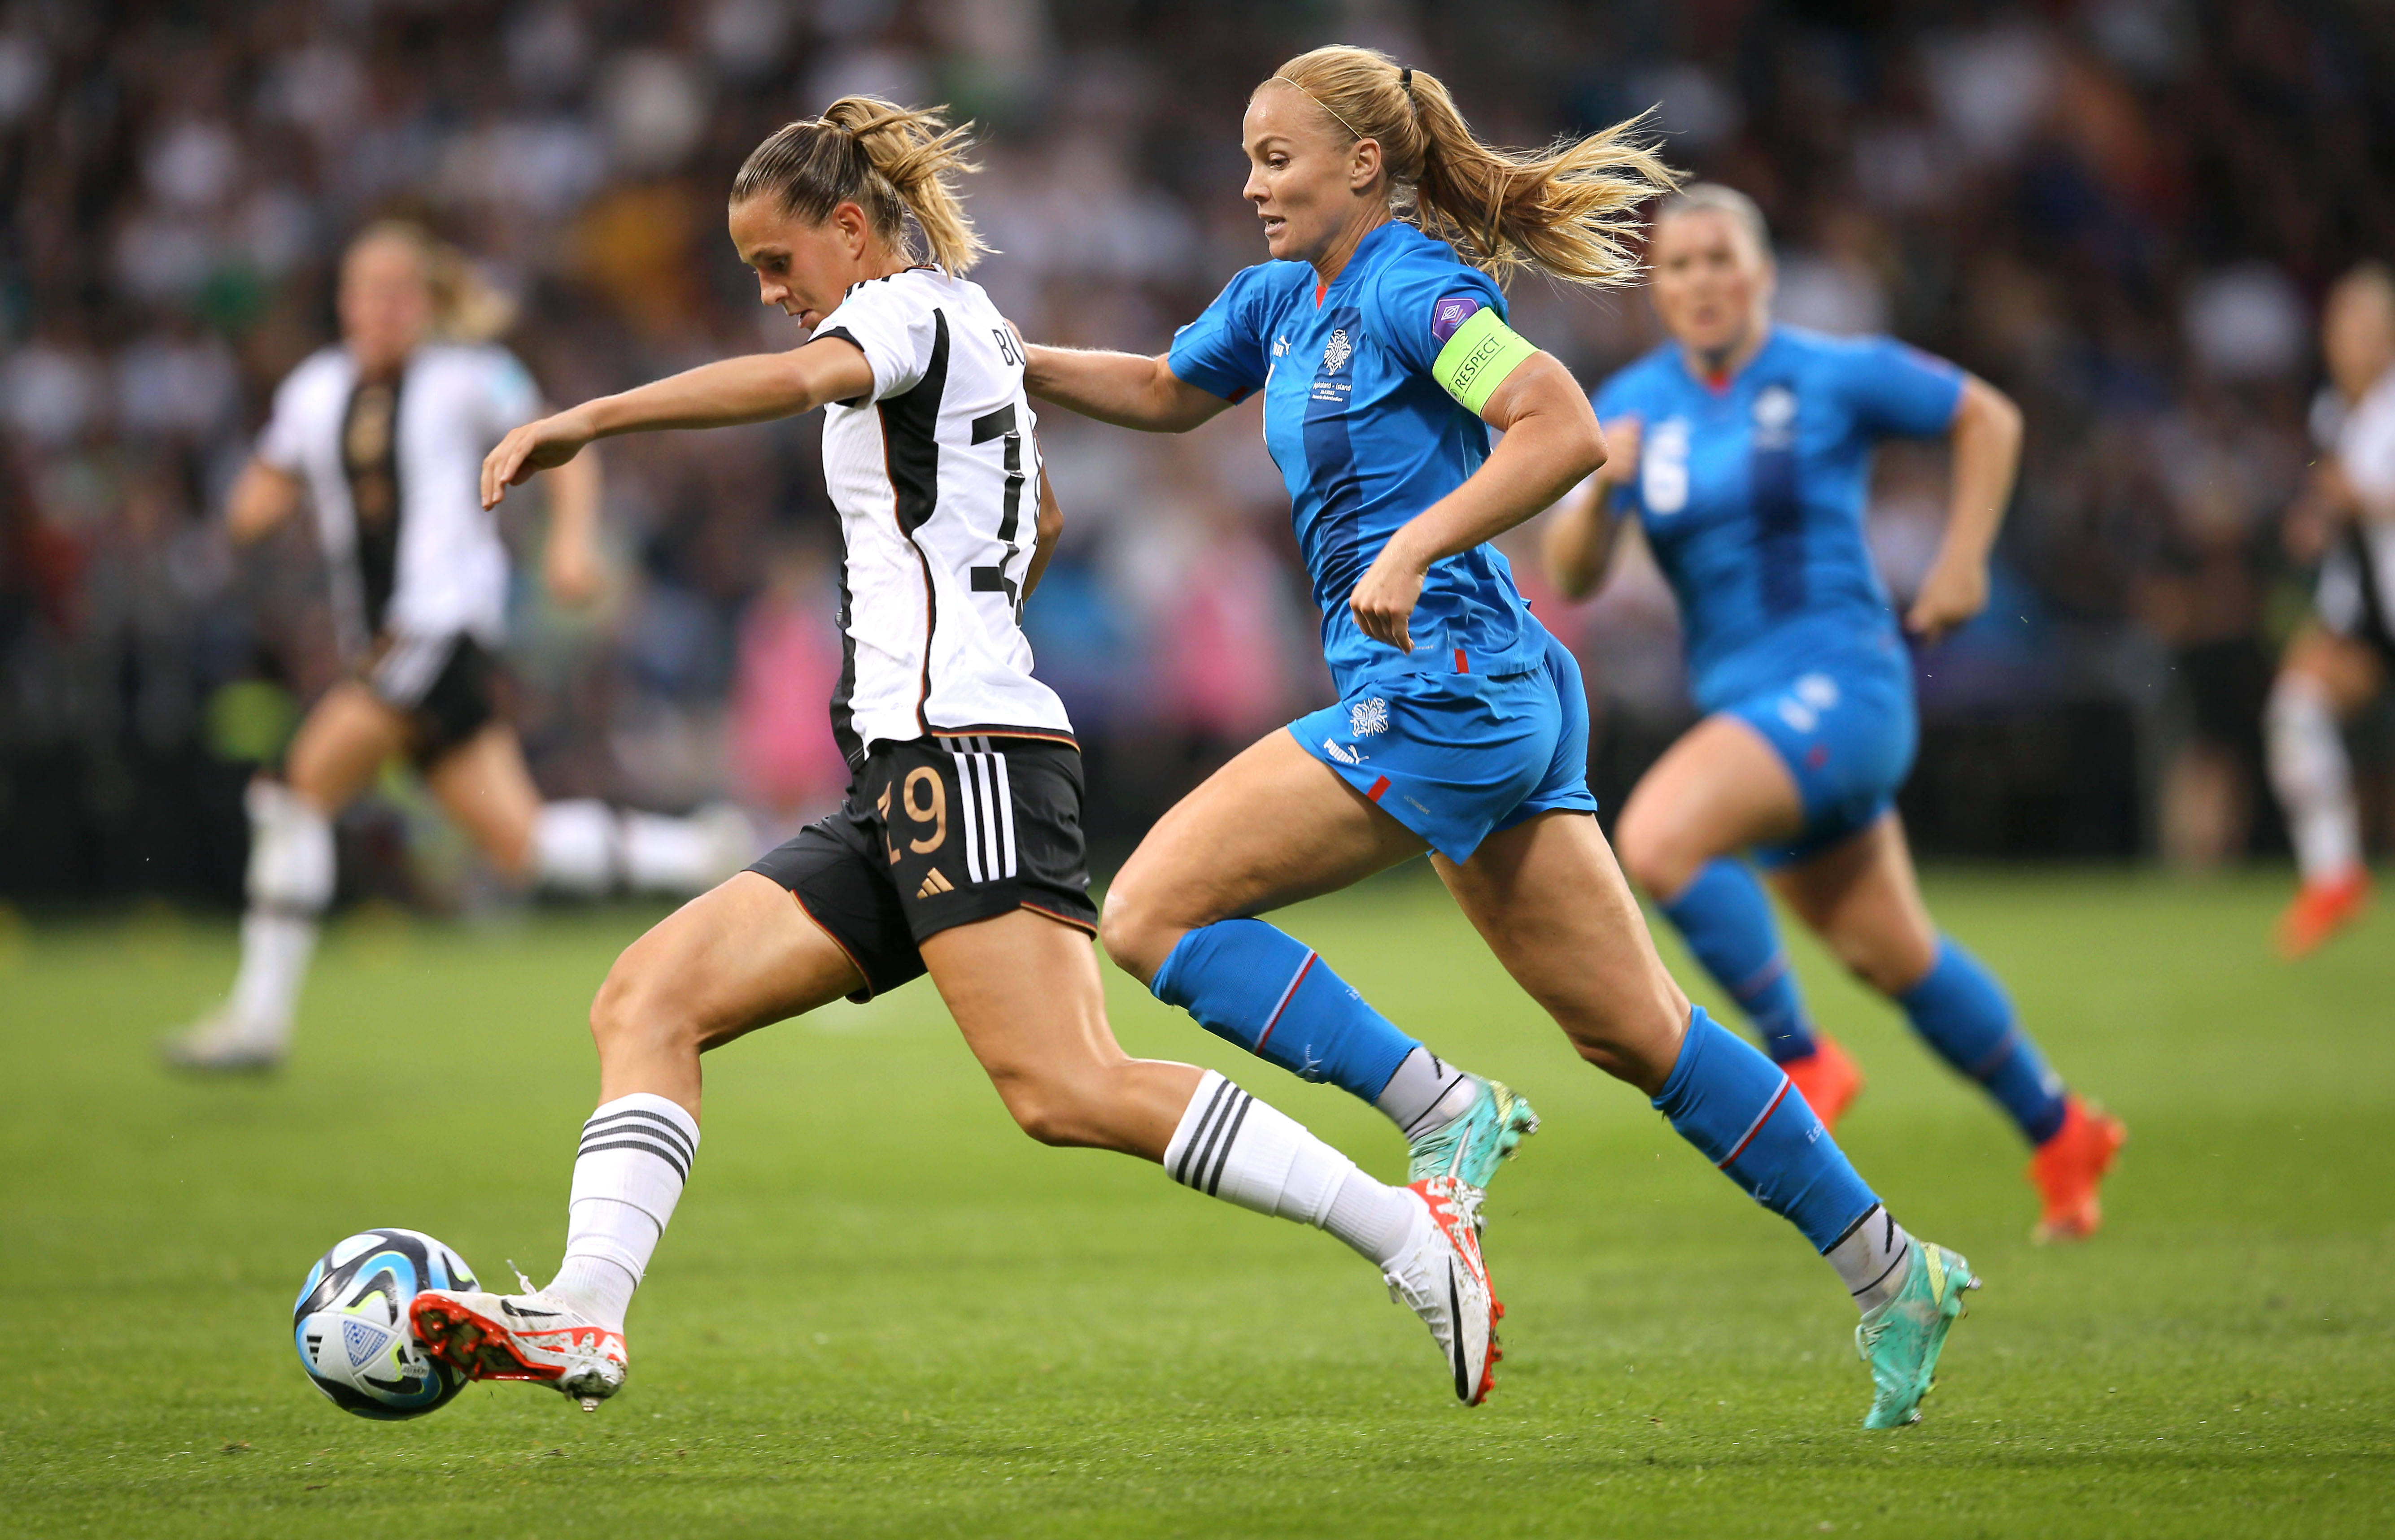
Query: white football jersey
{"x":394,"y":473}
{"x":935,"y":475}
{"x":2365,"y":446}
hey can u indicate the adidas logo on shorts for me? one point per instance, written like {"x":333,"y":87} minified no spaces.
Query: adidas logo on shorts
{"x":934,"y":883}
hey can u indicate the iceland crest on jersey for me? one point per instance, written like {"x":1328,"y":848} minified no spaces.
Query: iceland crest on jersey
{"x":1336,"y":352}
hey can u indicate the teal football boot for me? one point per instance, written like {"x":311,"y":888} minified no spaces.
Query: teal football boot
{"x":1466,"y":1148}
{"x":1901,"y":1339}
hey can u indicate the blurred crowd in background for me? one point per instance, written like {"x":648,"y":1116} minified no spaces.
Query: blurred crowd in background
{"x":2124,"y":212}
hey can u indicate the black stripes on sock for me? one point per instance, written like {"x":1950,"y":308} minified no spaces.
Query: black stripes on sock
{"x":637,"y":1129}
{"x":1896,"y":1255}
{"x":1209,"y":1150}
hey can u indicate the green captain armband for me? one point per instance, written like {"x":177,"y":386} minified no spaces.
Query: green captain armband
{"x":1479,"y":359}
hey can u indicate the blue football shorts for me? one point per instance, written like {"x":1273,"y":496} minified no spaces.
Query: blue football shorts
{"x":1457,"y":758}
{"x":1847,"y":736}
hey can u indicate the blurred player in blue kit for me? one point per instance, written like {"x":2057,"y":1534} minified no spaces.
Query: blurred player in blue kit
{"x":1744,"y":448}
{"x":1462,"y":728}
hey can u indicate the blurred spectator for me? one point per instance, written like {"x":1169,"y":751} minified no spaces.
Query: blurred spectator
{"x":2121,"y":211}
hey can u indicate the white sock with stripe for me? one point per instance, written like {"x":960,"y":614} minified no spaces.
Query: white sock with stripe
{"x":1228,"y":1145}
{"x":635,"y":1156}
{"x":1871,"y":1258}
{"x":2313,"y":778}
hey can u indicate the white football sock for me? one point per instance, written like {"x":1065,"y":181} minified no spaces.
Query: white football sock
{"x":1872,"y":1257}
{"x":1231,"y":1146}
{"x":586,"y":847}
{"x":289,"y":881}
{"x":2313,"y":778}
{"x":275,"y":949}
{"x":635,"y":1156}
{"x":1425,"y":1092}
{"x":670,"y":855}
{"x":573,"y":847}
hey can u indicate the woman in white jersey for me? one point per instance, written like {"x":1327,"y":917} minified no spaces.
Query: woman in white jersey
{"x":383,"y":434}
{"x":2338,"y":664}
{"x":958,"y":852}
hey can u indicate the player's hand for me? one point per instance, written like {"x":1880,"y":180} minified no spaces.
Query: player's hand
{"x":542,"y":445}
{"x":1622,"y":440}
{"x":1953,"y":593}
{"x":573,"y":573}
{"x":1385,"y":598}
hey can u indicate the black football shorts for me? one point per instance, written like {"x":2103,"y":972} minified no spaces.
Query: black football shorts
{"x":940,"y":832}
{"x":444,"y":685}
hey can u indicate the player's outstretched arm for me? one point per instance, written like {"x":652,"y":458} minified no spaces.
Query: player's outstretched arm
{"x":1551,"y":442}
{"x":1578,"y":546}
{"x":262,"y":497}
{"x":756,"y":389}
{"x":1126,"y":389}
{"x":1986,"y":436}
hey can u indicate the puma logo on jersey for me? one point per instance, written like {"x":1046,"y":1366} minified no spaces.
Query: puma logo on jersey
{"x":934,"y":883}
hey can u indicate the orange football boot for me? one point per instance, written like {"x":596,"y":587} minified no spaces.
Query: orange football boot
{"x":2321,"y":910}
{"x":1829,"y":1079}
{"x":2069,"y":1168}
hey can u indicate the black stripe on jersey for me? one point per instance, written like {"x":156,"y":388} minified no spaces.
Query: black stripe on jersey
{"x":843,"y":715}
{"x":370,"y":464}
{"x":850,"y":337}
{"x":911,"y":456}
{"x":2374,"y":626}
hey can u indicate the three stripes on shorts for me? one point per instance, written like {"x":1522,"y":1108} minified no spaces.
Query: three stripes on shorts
{"x":1209,"y":1150}
{"x":988,"y":807}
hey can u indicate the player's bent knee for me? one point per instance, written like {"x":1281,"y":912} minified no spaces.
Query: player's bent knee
{"x":1653,"y":860}
{"x":1134,"y":934}
{"x":643,"y":1005}
{"x":1055,"y":1109}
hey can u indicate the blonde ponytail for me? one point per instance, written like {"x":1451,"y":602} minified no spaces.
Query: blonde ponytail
{"x":466,"y":306}
{"x":889,"y":160}
{"x":1569,"y":211}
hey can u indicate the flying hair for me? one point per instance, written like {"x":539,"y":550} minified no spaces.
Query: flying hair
{"x":1568,"y":211}
{"x":889,"y":160}
{"x":465,"y":308}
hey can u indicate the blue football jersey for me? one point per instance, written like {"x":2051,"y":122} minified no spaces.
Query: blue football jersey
{"x":1366,"y":438}
{"x":1751,"y":494}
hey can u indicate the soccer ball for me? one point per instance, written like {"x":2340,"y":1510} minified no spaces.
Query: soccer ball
{"x":351,"y":1324}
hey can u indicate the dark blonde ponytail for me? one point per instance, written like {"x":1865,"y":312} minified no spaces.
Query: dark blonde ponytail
{"x":1569,"y":211}
{"x":889,"y":160}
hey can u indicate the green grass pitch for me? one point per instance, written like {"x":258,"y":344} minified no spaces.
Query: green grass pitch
{"x":882,"y":1311}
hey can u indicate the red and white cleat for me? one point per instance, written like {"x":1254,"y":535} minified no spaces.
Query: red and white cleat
{"x":2067,"y":1171}
{"x":1830,"y":1080}
{"x":1443,"y":1279}
{"x":527,"y":1336}
{"x":2320,"y":911}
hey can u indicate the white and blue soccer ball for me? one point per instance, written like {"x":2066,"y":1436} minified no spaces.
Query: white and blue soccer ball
{"x":351,"y":1330}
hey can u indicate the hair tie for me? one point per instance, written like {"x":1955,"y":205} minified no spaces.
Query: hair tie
{"x":1406,"y":80}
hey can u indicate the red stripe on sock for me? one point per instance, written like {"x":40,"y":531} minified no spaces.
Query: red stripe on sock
{"x":1756,"y":1128}
{"x":1286,"y":996}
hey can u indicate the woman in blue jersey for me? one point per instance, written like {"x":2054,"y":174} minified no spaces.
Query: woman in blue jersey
{"x":1462,"y":726}
{"x":1745,"y":449}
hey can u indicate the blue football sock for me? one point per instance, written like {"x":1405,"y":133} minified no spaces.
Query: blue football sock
{"x":1272,"y":995}
{"x":1752,"y":1122}
{"x":1727,"y":921}
{"x":1961,"y":1010}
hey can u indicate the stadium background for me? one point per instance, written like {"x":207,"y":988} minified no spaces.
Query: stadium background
{"x":2122,"y":211}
